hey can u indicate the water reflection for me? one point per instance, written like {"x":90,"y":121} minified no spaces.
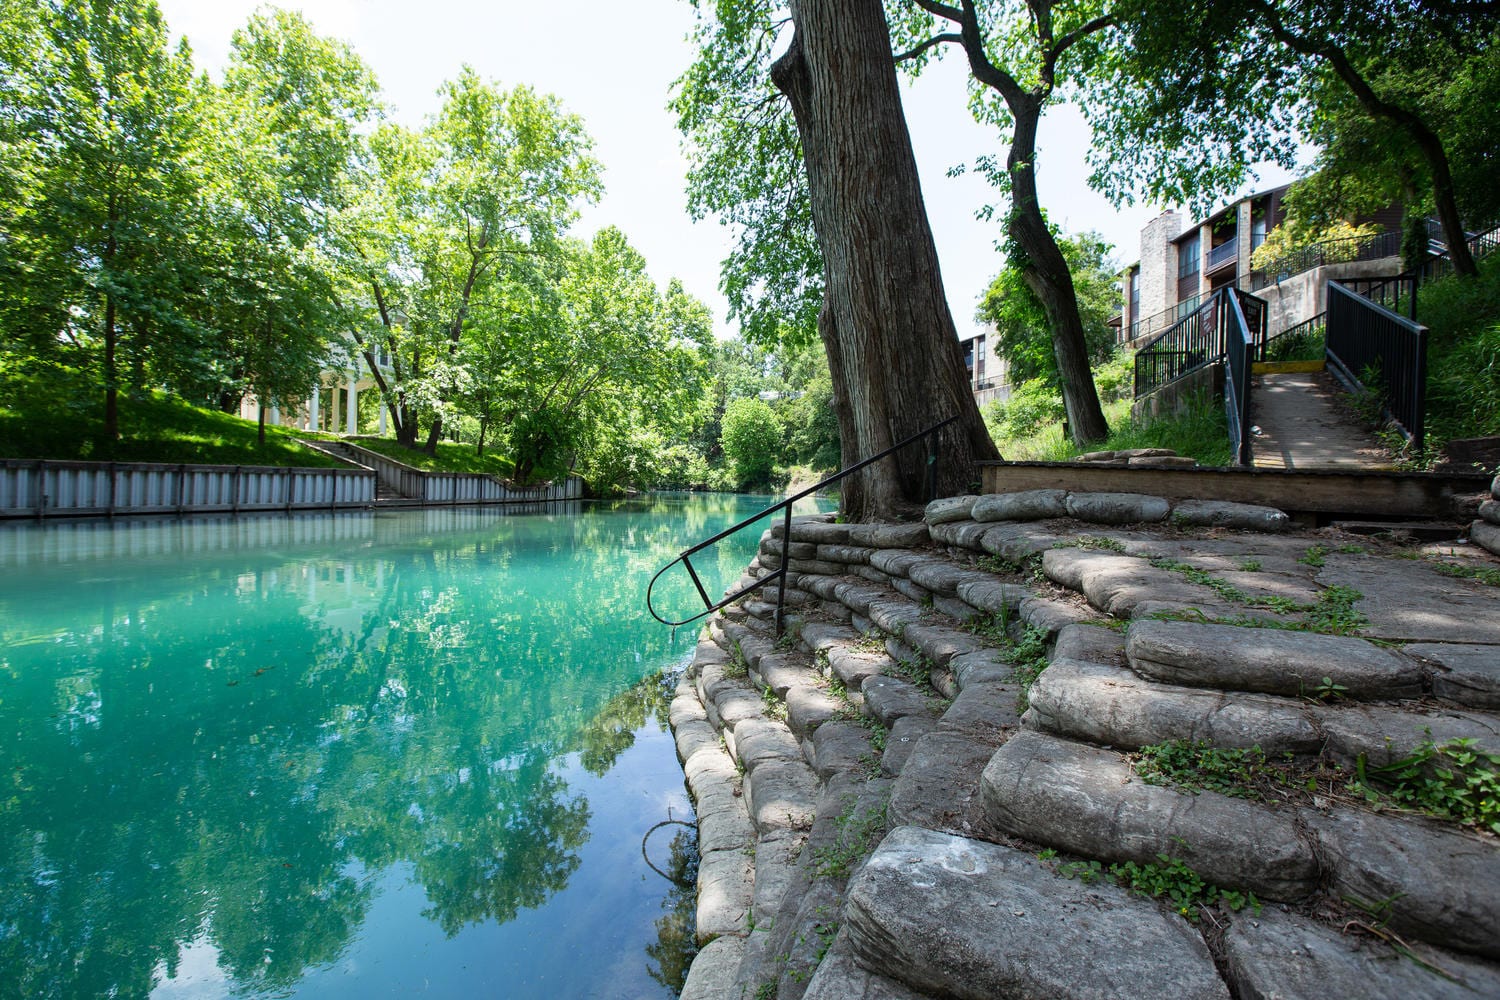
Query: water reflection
{"x":219,"y":733}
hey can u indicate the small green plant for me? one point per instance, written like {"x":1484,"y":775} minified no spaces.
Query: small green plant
{"x":766,"y":991}
{"x":856,"y":834}
{"x":1202,"y":577}
{"x":1166,"y":878}
{"x":1096,"y":542}
{"x":992,"y":626}
{"x":1482,"y":574}
{"x":1198,"y":765}
{"x":1027,"y":656}
{"x":1351,"y":550}
{"x":1250,"y":565}
{"x":1315,"y":556}
{"x":1327,"y":690}
{"x":775,"y":708}
{"x":1454,"y":780}
{"x":1334,"y":613}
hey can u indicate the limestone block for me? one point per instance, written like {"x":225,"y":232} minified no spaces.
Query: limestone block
{"x":781,"y":795}
{"x":1114,"y":707}
{"x":692,"y":736}
{"x":896,"y":561}
{"x":963,"y":534}
{"x":1088,"y":801}
{"x":992,"y":596}
{"x":855,"y":554}
{"x":1486,"y":536}
{"x":960,"y":918}
{"x":818,"y":532}
{"x":1116,"y":508}
{"x":940,"y":576}
{"x":841,"y":746}
{"x":889,"y":536}
{"x":983,"y":666}
{"x":987,"y":710}
{"x":781,"y":671}
{"x":911,"y":591}
{"x":940,"y":643}
{"x":1092,"y":643}
{"x":726,"y":889}
{"x":1286,"y":955}
{"x":949,"y":509}
{"x":1028,"y":505}
{"x":807,"y":708}
{"x":1017,"y":541}
{"x":894,"y":614}
{"x":1052,"y":616}
{"x":1273,"y":661}
{"x":1223,"y":514}
{"x":1384,"y":734}
{"x":938,"y":787}
{"x":1435,"y":882}
{"x":852,"y":666}
{"x":840,"y":977}
{"x":758,"y":741}
{"x":890,"y":698}
{"x":1466,"y":673}
{"x":818,"y":636}
{"x":714,"y":970}
{"x":902,"y":740}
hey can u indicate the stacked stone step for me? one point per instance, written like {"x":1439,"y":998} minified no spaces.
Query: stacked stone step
{"x":1063,"y":783}
{"x":1485,"y":532}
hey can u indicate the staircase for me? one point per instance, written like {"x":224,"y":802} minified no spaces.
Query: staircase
{"x":932,"y":786}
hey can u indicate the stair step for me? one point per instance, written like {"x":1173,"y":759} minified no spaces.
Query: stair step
{"x":956,"y":917}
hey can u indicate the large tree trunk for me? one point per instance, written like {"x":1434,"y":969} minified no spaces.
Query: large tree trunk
{"x":892,"y":347}
{"x":1046,"y":273}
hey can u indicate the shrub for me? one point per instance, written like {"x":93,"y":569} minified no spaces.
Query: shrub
{"x":751,"y":439}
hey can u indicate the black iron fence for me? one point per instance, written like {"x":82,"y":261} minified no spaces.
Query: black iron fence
{"x":778,"y":576}
{"x":1240,"y":348}
{"x":1328,"y":252}
{"x":1398,"y":293}
{"x":1308,"y":329}
{"x":1197,"y":340}
{"x":1371,"y":347}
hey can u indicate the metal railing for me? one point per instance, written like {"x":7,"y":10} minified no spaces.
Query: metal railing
{"x":1367,"y":340}
{"x":779,"y":575}
{"x":1398,"y":293}
{"x":1197,"y":340}
{"x":1158,"y":321}
{"x":1240,"y":348}
{"x":1223,"y":253}
{"x":1314,"y":327}
{"x":1328,"y":252}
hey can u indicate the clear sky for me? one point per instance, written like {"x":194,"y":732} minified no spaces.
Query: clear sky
{"x":613,"y":62}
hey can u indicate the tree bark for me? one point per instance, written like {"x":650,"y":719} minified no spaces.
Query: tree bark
{"x":892,"y":347}
{"x":1047,"y":274}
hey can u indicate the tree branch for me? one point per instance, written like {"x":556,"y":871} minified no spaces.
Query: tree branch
{"x":940,"y":10}
{"x":933,"y":41}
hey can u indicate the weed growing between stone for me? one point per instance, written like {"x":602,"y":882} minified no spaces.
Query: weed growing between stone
{"x":1482,"y":574}
{"x":1315,"y":556}
{"x":1093,"y":542}
{"x":1171,"y":879}
{"x":774,"y":706}
{"x":1197,"y":765}
{"x":1333,"y":613}
{"x":856,"y":835}
{"x":1455,"y":780}
{"x":737,"y":666}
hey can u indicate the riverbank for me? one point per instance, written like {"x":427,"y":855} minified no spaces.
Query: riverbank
{"x":1088,"y":745}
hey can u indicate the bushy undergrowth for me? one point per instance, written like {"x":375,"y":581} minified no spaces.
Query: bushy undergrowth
{"x":1200,"y":431}
{"x":1463,"y":354}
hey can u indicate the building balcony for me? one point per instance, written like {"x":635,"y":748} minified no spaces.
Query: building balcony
{"x":1224,"y":255}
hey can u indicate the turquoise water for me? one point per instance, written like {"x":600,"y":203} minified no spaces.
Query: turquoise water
{"x":345,"y":755}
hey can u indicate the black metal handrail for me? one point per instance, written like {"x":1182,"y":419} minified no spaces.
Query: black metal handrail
{"x":1310,"y":327}
{"x":1195,"y":341}
{"x":1366,"y":337}
{"x":1339,"y":251}
{"x":1240,"y":347}
{"x":1397,"y":292}
{"x":780,"y":574}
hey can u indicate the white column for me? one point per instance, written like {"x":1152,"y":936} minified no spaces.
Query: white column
{"x":312,"y":410}
{"x":351,"y":401}
{"x":380,"y":426}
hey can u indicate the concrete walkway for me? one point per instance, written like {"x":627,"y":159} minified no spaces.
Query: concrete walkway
{"x":1305,"y":422}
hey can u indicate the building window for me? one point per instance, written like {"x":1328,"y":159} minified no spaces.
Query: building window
{"x":1187,"y":257}
{"x":981,"y":350}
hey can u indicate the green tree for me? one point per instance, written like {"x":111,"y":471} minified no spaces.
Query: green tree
{"x":287,"y":133}
{"x":100,"y":147}
{"x":883,"y":297}
{"x":752,"y":440}
{"x":495,"y":176}
{"x":1022,"y":327}
{"x":1183,"y":113}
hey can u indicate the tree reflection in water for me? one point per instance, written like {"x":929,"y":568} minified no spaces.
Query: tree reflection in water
{"x":219,"y":746}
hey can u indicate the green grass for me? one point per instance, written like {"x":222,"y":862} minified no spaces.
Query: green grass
{"x":450,"y":457}
{"x":56,"y":414}
{"x":1200,"y":431}
{"x":1463,"y":348}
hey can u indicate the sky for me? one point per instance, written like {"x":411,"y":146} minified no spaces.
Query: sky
{"x":613,"y":62}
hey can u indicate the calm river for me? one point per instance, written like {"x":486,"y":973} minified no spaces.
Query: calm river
{"x":345,"y":755}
